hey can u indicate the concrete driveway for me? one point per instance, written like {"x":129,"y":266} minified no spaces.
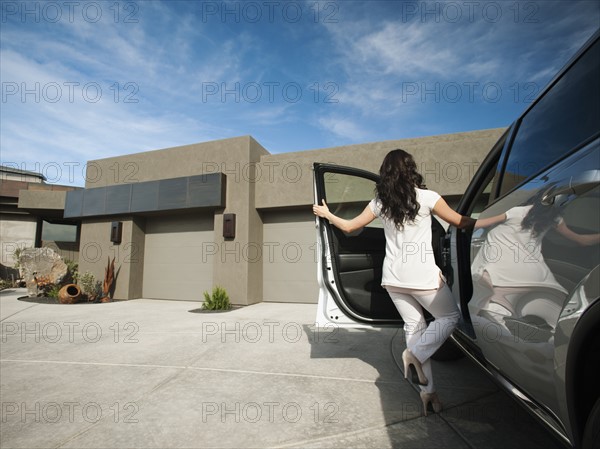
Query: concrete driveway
{"x":153,"y":374}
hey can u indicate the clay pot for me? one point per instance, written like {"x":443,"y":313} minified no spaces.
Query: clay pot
{"x":69,"y":294}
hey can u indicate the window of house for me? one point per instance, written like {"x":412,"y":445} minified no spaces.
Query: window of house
{"x":54,"y":232}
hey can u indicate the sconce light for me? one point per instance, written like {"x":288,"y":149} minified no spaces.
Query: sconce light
{"x":116,"y":230}
{"x":229,"y":226}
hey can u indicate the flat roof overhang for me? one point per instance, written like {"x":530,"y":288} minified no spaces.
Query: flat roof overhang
{"x":148,"y":198}
{"x":42,"y":203}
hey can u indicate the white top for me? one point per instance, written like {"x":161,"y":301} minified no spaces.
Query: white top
{"x":409,"y":260}
{"x":512,"y":256}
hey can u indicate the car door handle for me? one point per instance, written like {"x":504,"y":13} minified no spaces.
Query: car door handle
{"x":577,"y":185}
{"x":478,"y":238}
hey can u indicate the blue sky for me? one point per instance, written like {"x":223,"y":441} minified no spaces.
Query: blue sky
{"x":92,"y":79}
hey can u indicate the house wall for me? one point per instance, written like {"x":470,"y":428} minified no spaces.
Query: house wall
{"x":270,"y":194}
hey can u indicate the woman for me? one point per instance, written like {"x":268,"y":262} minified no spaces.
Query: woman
{"x":410,"y":274}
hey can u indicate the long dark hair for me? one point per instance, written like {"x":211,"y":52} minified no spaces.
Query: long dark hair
{"x":540,"y":217}
{"x":396,"y":187}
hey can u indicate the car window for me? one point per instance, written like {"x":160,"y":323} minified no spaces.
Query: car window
{"x":486,"y":190}
{"x":567,"y":115}
{"x":347,"y":195}
{"x":482,"y":199}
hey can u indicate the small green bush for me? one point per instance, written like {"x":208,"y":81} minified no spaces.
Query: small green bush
{"x":72,"y":276}
{"x":52,"y":291}
{"x":89,"y":285}
{"x":219,"y":300}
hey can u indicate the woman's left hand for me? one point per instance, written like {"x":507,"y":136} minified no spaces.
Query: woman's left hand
{"x":321,"y":211}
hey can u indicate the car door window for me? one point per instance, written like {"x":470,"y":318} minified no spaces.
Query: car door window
{"x":563,"y":119}
{"x":348,"y":195}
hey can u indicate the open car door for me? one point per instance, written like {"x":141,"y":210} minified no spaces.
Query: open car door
{"x":350,"y":265}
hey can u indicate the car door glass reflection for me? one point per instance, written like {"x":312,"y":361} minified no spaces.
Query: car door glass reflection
{"x":518,"y":297}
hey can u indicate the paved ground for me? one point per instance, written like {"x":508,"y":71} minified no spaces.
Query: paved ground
{"x":151,"y":374}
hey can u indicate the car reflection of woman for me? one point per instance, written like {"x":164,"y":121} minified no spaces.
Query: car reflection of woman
{"x":410,"y":274}
{"x":511,"y":264}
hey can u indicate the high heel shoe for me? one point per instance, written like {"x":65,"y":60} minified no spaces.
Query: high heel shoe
{"x":416,"y":370}
{"x":431,"y":399}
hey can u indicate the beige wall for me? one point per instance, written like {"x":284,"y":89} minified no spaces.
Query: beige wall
{"x":237,"y":158}
{"x":42,"y":199}
{"x":96,"y":249}
{"x":257,"y":183}
{"x":16,"y":231}
{"x":448,"y":162}
{"x":289,"y":257}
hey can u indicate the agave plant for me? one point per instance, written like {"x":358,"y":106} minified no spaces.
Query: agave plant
{"x":109,"y":278}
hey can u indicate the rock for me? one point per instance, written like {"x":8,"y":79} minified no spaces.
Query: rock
{"x":41,"y":266}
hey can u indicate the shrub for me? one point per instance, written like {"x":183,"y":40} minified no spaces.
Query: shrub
{"x":90,"y":286}
{"x":17,"y":258}
{"x":72,"y":272}
{"x":52,"y":291}
{"x":219,"y":300}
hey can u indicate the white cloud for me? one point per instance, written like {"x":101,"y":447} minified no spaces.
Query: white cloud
{"x":380,"y":59}
{"x":165,"y":72}
{"x":344,"y":128}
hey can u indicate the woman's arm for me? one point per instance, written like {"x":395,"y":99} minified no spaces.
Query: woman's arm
{"x":449,"y":215}
{"x":347,"y":226}
{"x":490,"y":221}
{"x":580,"y":239}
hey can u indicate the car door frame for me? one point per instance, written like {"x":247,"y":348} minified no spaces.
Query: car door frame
{"x":329,"y":272}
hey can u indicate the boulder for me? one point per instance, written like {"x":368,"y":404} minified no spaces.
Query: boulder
{"x":41,"y":266}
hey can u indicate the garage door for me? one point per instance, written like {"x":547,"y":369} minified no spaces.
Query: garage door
{"x":289,"y":257}
{"x":176,"y":263}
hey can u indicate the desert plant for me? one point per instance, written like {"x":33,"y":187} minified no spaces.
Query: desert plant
{"x":52,"y":290}
{"x":219,"y":300}
{"x":109,"y":278}
{"x":90,"y":286}
{"x":17,"y":258}
{"x":72,"y":272}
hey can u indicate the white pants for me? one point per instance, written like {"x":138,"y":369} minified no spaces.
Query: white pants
{"x":422,"y":340}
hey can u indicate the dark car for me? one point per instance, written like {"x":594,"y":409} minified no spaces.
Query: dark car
{"x":527,"y":279}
